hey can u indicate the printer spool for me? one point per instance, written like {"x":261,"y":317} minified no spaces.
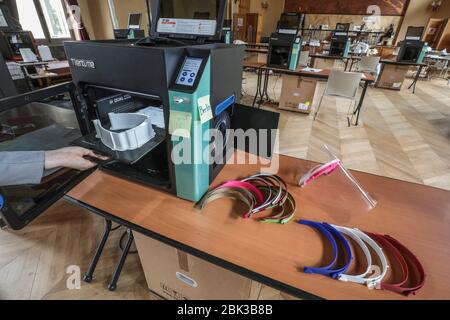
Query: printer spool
{"x":222,"y":123}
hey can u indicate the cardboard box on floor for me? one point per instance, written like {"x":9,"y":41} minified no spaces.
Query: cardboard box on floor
{"x":176,"y":275}
{"x":297,"y":93}
{"x":392,"y":77}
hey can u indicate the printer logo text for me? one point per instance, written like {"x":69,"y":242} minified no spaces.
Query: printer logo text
{"x":83,"y":63}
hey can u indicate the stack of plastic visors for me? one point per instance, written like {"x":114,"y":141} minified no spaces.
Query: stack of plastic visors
{"x":413,"y":275}
{"x":260,"y":192}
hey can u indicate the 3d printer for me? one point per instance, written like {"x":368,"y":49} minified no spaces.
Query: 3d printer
{"x":176,"y":73}
{"x":285,"y":45}
{"x":412,"y":49}
{"x":340,"y":41}
{"x":12,"y":41}
{"x":227,"y":31}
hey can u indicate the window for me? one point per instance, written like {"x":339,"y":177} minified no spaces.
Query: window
{"x":46,"y":19}
{"x":55,"y":17}
{"x":29,"y":19}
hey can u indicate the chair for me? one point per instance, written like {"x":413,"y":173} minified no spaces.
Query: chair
{"x":437,"y":69}
{"x":368,"y":64}
{"x":341,"y":84}
{"x":303,"y":60}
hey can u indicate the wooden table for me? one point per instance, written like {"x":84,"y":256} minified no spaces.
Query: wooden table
{"x":418,"y":216}
{"x":54,"y":70}
{"x":30,"y":76}
{"x":253,"y":50}
{"x":257,"y":45}
{"x":445,"y":59}
{"x":327,"y":57}
{"x":322,"y":75}
{"x":396,"y":63}
{"x":62,"y":69}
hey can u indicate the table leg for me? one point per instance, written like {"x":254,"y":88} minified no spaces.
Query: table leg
{"x":351,"y":65}
{"x":264,"y":89}
{"x":113,"y":284}
{"x":258,"y":87}
{"x":89,"y":275}
{"x":416,"y":78}
{"x":361,"y":101}
{"x":29,"y":83}
{"x":266,"y":85}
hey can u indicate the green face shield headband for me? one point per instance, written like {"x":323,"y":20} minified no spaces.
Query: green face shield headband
{"x":259,"y":192}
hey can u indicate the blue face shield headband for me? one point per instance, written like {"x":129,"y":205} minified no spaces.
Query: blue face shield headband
{"x":331,"y":234}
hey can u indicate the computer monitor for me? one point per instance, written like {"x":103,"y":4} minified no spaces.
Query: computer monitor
{"x":414,"y":33}
{"x":342,"y":26}
{"x":187,"y":19}
{"x":134,"y":20}
{"x":227,"y":24}
{"x":342,"y":29}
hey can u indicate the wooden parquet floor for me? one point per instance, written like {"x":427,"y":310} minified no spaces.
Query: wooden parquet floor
{"x":401,"y":135}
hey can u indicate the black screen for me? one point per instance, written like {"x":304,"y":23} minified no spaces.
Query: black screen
{"x":190,"y":9}
{"x":289,"y":21}
{"x":134,"y":19}
{"x":343,"y":27}
{"x":415,"y":32}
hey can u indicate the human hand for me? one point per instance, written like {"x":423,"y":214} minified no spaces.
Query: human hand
{"x":71,"y":157}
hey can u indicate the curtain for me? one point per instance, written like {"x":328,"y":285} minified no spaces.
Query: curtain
{"x":74,"y":10}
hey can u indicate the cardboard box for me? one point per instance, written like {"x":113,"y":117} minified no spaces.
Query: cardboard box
{"x":256,"y":57}
{"x":297,"y":93}
{"x":176,"y":275}
{"x":322,"y":63}
{"x":392,"y":77}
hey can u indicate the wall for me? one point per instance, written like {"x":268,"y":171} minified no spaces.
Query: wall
{"x":86,"y":16}
{"x":356,"y":20}
{"x":270,"y":16}
{"x":97,"y":19}
{"x":418,"y":14}
{"x":388,"y":7}
{"x":444,"y":11}
{"x":330,"y":12}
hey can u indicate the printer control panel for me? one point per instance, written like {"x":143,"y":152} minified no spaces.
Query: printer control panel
{"x":191,"y":67}
{"x":189,"y":71}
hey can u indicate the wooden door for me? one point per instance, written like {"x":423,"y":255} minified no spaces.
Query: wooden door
{"x":244,"y":6}
{"x":239,"y":26}
{"x":444,"y":40}
{"x":254,"y":27}
{"x":433,"y":31}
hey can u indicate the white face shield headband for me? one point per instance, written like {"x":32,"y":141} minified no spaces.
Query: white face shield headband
{"x":136,"y":130}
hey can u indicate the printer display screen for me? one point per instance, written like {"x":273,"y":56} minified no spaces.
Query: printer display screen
{"x":189,"y":72}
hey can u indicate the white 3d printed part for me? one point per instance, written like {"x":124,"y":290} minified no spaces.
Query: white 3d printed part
{"x":138,"y":131}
